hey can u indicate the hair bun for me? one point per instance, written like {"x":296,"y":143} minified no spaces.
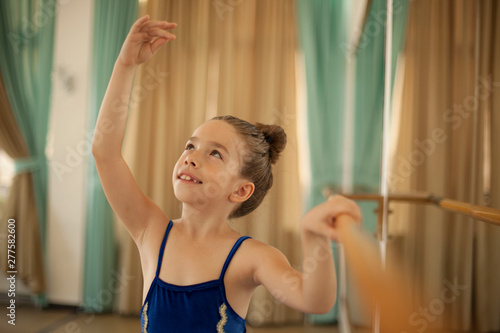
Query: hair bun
{"x":276,"y":137}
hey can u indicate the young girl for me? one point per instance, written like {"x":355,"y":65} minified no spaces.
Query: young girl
{"x":199,"y":274}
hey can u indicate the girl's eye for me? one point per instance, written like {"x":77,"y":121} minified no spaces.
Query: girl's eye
{"x":189,"y":147}
{"x":216,"y":154}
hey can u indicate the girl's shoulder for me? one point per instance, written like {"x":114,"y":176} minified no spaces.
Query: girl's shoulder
{"x":259,"y":254}
{"x":256,"y":245}
{"x":263,"y":263}
{"x":261,"y":247}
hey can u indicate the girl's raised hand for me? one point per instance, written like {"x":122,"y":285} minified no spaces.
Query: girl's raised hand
{"x":143,"y":40}
{"x":322,"y":219}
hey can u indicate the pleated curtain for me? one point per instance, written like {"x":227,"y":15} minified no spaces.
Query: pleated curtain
{"x":27,"y":43}
{"x":448,"y":145}
{"x":324,"y":28}
{"x":112,"y":21}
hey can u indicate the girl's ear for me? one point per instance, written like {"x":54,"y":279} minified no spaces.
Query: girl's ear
{"x":242,"y":193}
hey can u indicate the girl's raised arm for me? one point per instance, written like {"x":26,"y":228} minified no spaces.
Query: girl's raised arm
{"x":132,"y":207}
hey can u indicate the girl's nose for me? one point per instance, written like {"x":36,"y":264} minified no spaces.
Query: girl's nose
{"x":191,"y":160}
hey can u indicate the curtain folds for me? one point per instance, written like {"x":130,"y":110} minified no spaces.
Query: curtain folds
{"x":27,"y":39}
{"x":324,"y":27}
{"x":487,"y":243}
{"x":229,"y":58}
{"x":446,"y":146}
{"x":112,"y":21}
{"x":369,"y":113}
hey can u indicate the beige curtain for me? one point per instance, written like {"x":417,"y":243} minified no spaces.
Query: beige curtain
{"x":230,"y":57}
{"x":487,"y":243}
{"x":448,"y":141}
{"x":21,"y":206}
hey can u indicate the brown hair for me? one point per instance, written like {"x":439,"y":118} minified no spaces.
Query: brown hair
{"x":264,"y":143}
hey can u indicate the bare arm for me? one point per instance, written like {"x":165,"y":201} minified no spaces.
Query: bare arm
{"x":132,"y":207}
{"x":314,"y":289}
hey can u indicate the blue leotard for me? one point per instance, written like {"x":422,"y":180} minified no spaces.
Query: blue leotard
{"x":196,"y":308}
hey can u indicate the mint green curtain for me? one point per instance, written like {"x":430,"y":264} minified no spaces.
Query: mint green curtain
{"x":323,"y":30}
{"x":369,"y":95}
{"x":112,"y":21}
{"x":27,"y":40}
{"x":369,"y":98}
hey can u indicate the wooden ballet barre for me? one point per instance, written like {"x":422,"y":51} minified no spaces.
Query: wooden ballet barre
{"x":485,"y":214}
{"x":384,"y":285}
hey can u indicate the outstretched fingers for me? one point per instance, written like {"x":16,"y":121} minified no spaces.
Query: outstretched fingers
{"x":159,"y":42}
{"x":136,"y":27}
{"x":144,"y":39}
{"x":153,"y":33}
{"x":157,"y":37}
{"x":146,"y":26}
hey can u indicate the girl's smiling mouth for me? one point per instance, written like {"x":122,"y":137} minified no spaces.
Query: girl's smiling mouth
{"x":189,"y":178}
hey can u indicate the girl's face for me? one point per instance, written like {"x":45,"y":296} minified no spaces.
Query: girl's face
{"x":207,"y":172}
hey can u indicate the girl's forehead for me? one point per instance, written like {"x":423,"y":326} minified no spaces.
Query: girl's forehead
{"x":221,"y":132}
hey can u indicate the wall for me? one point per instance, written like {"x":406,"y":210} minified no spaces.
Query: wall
{"x":68,"y":151}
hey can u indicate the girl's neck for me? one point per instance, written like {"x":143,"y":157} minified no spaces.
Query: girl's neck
{"x":201,"y":223}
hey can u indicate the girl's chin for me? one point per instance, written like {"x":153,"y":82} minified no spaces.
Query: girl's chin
{"x":192,"y":198}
